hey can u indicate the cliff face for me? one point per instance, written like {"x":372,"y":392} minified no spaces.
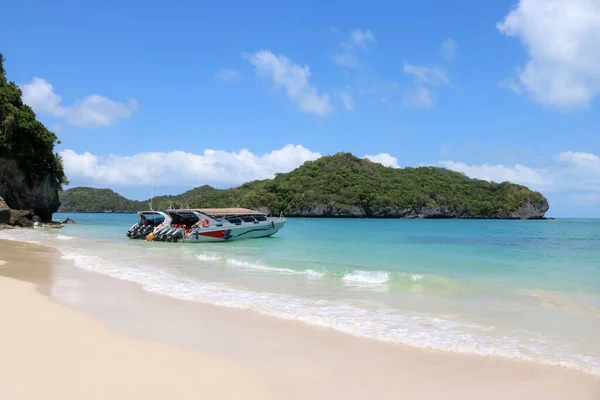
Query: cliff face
{"x":41,"y":198}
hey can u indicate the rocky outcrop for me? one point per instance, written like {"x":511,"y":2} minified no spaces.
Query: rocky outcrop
{"x":4,"y":212}
{"x":24,"y":218}
{"x":40,"y":199}
{"x":68,"y":221}
{"x":529,"y":211}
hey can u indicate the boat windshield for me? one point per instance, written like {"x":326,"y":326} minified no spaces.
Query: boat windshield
{"x":184,"y":218}
{"x":152,"y":219}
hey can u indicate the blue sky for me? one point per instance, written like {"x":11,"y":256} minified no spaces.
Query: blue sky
{"x":219,"y":93}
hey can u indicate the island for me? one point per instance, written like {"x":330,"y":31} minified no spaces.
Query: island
{"x":343,"y":185}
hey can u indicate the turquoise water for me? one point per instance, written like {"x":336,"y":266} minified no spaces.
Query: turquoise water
{"x":519,"y":289}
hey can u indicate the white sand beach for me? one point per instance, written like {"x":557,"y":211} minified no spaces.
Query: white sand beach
{"x":117,"y":341}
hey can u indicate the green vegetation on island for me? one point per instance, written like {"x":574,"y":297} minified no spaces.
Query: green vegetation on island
{"x":87,"y":199}
{"x":25,"y":139}
{"x":31,"y":173}
{"x":343,"y":185}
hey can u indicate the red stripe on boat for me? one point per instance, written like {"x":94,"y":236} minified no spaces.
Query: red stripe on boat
{"x":215,"y":234}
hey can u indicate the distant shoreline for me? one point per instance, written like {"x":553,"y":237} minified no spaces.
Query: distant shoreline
{"x":336,"y":216}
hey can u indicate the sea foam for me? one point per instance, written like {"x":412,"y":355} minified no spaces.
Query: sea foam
{"x":247,"y":265}
{"x":367,"y":277}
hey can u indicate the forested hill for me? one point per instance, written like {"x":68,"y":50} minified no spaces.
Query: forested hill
{"x":343,"y":185}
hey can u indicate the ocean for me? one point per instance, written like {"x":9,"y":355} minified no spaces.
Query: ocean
{"x":526,"y":290}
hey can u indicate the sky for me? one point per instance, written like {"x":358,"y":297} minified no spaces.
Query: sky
{"x":154,"y":97}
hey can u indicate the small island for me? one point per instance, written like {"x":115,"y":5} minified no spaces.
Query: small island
{"x":343,"y":185}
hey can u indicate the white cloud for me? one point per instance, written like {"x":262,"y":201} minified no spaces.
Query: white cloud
{"x":96,"y":110}
{"x":347,"y":100}
{"x":500,"y":173}
{"x":384,"y":159}
{"x":579,"y":170}
{"x":294,"y":79}
{"x":92,"y":111}
{"x":580,"y":158}
{"x":346,"y":60}
{"x":420,"y":97}
{"x":562,"y":39}
{"x":433,"y":75}
{"x":40,"y":96}
{"x":577,"y":174}
{"x":183,"y":168}
{"x":361,"y":38}
{"x":448,"y":49}
{"x":228,"y":75}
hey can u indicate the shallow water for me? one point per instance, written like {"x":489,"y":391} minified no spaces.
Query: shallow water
{"x":518,"y":289}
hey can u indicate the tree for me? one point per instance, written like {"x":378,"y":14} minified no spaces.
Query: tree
{"x":25,"y":139}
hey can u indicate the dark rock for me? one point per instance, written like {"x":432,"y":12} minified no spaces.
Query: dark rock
{"x":4,"y":212}
{"x":19,"y":194}
{"x":68,"y":221}
{"x":22,"y":218}
{"x":36,"y":218}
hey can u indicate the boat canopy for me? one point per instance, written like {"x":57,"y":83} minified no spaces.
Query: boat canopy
{"x":211,"y":212}
{"x":227,"y":211}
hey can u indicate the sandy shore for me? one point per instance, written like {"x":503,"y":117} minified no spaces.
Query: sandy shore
{"x":115,"y":340}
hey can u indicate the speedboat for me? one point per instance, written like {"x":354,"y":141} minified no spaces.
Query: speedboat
{"x":204,"y":225}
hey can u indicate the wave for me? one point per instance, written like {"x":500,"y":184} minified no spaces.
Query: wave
{"x":258,"y":267}
{"x":205,"y":257}
{"x":407,"y":327}
{"x":367,"y":277}
{"x":60,"y":236}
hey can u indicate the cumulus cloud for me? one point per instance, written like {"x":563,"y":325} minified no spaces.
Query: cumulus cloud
{"x":183,"y":168}
{"x":579,"y":170}
{"x":91,"y":111}
{"x":562,"y":40}
{"x":448,"y":49}
{"x":500,"y":173}
{"x":420,"y":97}
{"x":384,"y":159}
{"x":294,"y":79}
{"x":570,"y":171}
{"x":228,"y":75}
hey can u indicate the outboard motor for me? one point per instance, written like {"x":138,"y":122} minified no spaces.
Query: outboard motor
{"x":134,"y":231}
{"x":179,"y":234}
{"x":171,"y":234}
{"x":160,"y":234}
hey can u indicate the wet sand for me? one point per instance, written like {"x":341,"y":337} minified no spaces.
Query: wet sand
{"x":92,"y":336}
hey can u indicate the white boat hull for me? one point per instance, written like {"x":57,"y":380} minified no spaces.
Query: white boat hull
{"x":225,"y":234}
